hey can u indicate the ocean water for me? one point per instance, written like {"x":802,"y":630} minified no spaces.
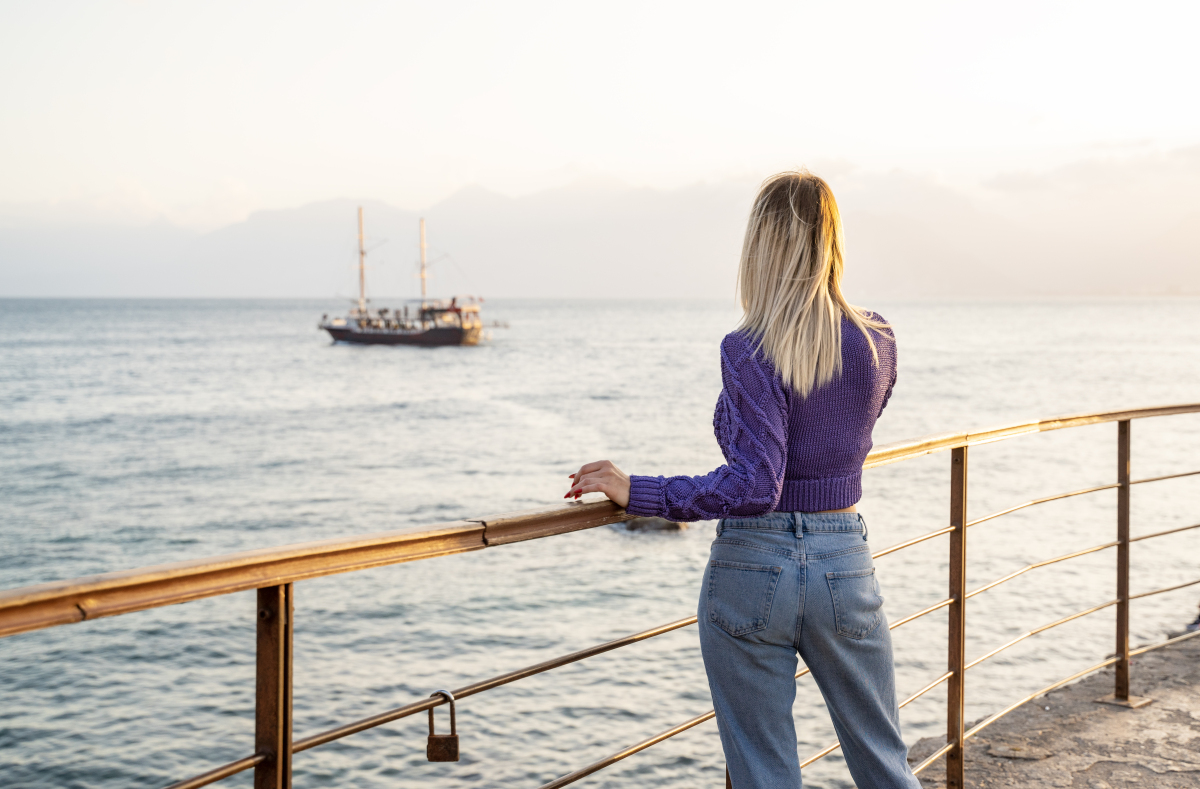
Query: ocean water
{"x":139,"y":432}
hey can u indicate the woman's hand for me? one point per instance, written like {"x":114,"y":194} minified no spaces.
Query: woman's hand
{"x":601,"y":477}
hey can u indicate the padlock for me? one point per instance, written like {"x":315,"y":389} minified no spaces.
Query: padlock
{"x":442,"y":747}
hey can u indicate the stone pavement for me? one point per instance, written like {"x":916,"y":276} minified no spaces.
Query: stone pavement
{"x":1065,"y":739}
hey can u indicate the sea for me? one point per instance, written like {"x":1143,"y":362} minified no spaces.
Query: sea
{"x":140,"y":432}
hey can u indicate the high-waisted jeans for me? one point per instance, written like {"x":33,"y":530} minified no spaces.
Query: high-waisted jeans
{"x":788,"y":583}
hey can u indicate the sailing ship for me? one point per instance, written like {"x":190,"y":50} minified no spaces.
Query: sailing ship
{"x":428,"y":322}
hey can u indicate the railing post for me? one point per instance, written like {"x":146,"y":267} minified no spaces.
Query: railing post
{"x":956,"y":651}
{"x":1120,"y":695}
{"x":1121,"y":689}
{"x":273,"y":685}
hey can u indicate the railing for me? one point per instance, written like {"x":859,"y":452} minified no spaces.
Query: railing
{"x":273,"y":572}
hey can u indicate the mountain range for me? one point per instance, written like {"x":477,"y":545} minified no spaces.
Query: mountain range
{"x":1098,"y":227}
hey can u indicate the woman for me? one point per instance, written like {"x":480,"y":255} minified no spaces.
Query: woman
{"x":805,"y":377}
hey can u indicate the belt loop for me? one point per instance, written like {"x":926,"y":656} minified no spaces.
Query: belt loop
{"x":798,"y":524}
{"x":863,"y":521}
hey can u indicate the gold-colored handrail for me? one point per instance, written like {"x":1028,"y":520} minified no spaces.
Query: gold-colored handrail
{"x":224,"y":771}
{"x":1095,"y":489}
{"x":1036,"y":565}
{"x":711,"y":713}
{"x":1043,"y":500}
{"x":487,"y":684}
{"x":428,"y":703}
{"x":939,"y":442}
{"x":979,"y":727}
{"x":912,"y":542}
{"x":1164,"y":533}
{"x":65,"y":602}
{"x":1164,"y":589}
{"x":939,"y":605}
{"x":821,"y":754}
{"x":1164,"y":476}
{"x":272,"y":571}
{"x":503,"y":679}
{"x":1031,"y":633}
{"x":584,"y":772}
{"x":1167,"y":643}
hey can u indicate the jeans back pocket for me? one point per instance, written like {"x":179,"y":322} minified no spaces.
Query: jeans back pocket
{"x":857,"y":604}
{"x":740,"y":595}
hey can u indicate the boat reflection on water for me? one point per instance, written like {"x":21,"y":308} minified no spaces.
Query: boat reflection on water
{"x":423,"y":321}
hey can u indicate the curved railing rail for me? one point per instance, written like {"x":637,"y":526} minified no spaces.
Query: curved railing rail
{"x":273,"y":571}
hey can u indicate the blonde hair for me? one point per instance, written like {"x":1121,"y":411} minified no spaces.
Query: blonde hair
{"x":790,"y":281}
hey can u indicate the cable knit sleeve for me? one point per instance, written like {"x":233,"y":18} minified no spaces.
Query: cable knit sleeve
{"x":751,"y":424}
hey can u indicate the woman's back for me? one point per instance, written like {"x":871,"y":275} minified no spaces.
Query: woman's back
{"x":829,"y":432}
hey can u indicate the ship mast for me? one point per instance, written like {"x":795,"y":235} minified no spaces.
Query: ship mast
{"x":423,"y":275}
{"x":362,"y":260}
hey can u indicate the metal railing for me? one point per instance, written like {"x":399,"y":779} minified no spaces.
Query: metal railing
{"x":273,"y":572}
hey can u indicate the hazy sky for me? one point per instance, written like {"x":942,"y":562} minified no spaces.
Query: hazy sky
{"x":202,"y":112}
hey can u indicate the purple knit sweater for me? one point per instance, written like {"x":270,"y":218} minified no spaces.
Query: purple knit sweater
{"x":783,"y":453}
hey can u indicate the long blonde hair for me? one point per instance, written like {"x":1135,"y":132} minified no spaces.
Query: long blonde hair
{"x":790,"y":281}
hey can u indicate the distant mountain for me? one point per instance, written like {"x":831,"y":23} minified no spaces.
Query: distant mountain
{"x":597,"y":240}
{"x":306,"y":251}
{"x":1093,"y":228}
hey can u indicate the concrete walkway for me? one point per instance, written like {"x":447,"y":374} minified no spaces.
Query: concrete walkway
{"x":1065,"y":739}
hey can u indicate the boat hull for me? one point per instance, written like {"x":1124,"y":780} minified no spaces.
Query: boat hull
{"x":443,"y":335}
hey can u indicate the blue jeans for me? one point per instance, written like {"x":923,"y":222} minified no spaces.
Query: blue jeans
{"x":787,"y":583}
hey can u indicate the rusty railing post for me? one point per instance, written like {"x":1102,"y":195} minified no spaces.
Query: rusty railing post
{"x":1121,"y":688}
{"x":273,"y":685}
{"x":956,"y":651}
{"x":1120,"y":695}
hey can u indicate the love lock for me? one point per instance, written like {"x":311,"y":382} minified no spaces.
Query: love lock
{"x":442,"y":747}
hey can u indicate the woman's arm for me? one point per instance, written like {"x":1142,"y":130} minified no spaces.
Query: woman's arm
{"x":754,"y":440}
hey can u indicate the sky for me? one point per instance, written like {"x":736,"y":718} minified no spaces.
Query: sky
{"x":199,"y":114}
